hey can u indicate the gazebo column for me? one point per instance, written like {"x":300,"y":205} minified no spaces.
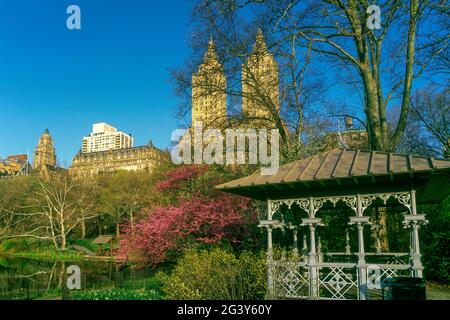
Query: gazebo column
{"x":313,"y":272}
{"x":312,"y":222}
{"x":270,"y":224}
{"x":360,"y":222}
{"x":269,"y":261}
{"x":413,"y":221}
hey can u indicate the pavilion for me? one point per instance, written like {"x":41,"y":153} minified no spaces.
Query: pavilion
{"x":307,"y":195}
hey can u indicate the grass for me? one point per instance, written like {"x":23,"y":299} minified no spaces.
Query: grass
{"x":39,"y":250}
{"x":437,"y":291}
{"x":142,"y":289}
{"x":116,"y":294}
{"x":49,"y":255}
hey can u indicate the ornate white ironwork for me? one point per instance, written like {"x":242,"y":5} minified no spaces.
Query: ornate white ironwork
{"x":273,"y":208}
{"x":334,"y":201}
{"x":404,"y":199}
{"x":289,"y":203}
{"x":366,"y":201}
{"x":317,"y":204}
{"x":384,"y":197}
{"x":350,"y":200}
{"x":386,"y":274}
{"x":308,"y":275}
{"x":290,"y":280}
{"x":338,"y":283}
{"x":303,"y":203}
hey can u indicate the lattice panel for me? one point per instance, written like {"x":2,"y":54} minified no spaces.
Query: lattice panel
{"x":379,"y":280}
{"x":335,"y":283}
{"x":290,"y":280}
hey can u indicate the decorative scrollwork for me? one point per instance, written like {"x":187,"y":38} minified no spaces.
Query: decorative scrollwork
{"x":273,"y":208}
{"x":289,"y":203}
{"x":384,"y":197}
{"x":334,"y":201}
{"x":317,"y":204}
{"x":404,"y":199}
{"x":366,"y":201}
{"x":304,"y":204}
{"x":350,"y":201}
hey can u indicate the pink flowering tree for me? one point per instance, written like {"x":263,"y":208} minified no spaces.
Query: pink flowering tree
{"x":200,"y":215}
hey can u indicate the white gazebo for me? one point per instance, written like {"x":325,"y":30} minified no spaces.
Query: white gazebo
{"x":356,"y":182}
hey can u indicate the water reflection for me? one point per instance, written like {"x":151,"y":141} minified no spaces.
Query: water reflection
{"x":22,"y":278}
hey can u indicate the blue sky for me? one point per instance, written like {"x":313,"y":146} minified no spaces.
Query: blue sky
{"x":115,"y":69}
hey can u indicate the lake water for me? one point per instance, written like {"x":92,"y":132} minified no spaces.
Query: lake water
{"x":22,"y":278}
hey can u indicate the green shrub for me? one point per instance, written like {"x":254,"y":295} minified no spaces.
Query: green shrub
{"x":116,"y":294}
{"x":217,"y":274}
{"x":435,"y":241}
{"x":15,"y":245}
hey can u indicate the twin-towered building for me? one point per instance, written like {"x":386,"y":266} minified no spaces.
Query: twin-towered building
{"x":107,"y":150}
{"x":260,"y":87}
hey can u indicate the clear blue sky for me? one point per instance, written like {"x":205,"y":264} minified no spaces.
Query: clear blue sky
{"x":115,"y":69}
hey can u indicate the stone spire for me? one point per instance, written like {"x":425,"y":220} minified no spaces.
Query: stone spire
{"x":45,"y":154}
{"x":211,"y":58}
{"x":260,"y":45}
{"x":260,"y":83}
{"x":209,"y":90}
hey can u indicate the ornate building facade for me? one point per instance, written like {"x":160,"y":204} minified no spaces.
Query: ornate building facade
{"x":45,"y":154}
{"x":86,"y":165}
{"x":209,"y":98}
{"x":260,"y":86}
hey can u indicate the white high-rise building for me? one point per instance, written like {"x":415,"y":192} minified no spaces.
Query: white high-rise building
{"x":105,"y":137}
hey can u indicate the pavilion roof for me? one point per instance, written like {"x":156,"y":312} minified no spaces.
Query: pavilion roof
{"x":340,"y":171}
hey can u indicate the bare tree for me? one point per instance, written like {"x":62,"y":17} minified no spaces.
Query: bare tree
{"x":283,"y":95}
{"x":54,"y":210}
{"x":312,"y":39}
{"x":13,"y":195}
{"x":431,"y":113}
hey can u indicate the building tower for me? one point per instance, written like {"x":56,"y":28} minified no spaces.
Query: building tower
{"x":260,"y":97}
{"x":44,"y":155}
{"x":209,"y":99}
